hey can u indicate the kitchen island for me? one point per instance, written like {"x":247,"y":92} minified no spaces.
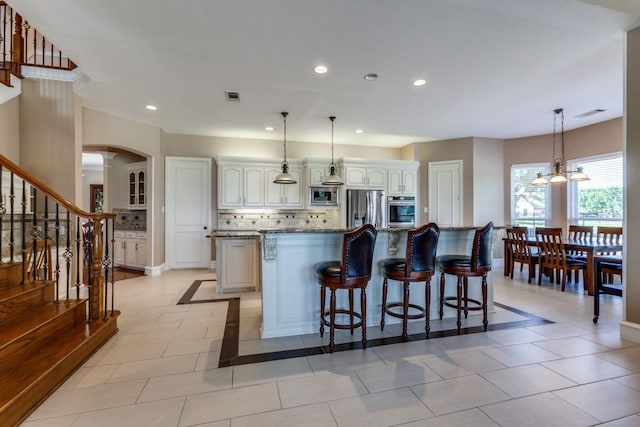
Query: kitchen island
{"x":291,"y":296}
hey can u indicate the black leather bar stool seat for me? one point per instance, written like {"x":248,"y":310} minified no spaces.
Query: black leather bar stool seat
{"x":463,"y":267}
{"x":418,"y":266}
{"x":352,"y":272}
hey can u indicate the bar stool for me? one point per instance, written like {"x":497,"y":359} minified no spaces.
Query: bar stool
{"x":462,"y":266}
{"x":418,"y":266}
{"x":353,"y":272}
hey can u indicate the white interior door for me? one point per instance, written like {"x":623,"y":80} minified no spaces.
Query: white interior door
{"x":188,"y":212}
{"x":445,"y":193}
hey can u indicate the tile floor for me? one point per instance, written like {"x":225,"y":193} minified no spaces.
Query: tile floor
{"x":161,"y":369}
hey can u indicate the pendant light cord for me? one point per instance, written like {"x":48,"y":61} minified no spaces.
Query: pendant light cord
{"x":284,"y":115}
{"x":332,"y":118}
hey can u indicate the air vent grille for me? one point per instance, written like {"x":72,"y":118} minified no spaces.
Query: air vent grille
{"x":232,"y":95}
{"x":589,"y":113}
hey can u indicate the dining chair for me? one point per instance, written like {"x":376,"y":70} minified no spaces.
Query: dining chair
{"x":582,"y":233}
{"x":606,"y":267}
{"x":613,"y":235}
{"x":521,"y":252}
{"x":553,"y":256}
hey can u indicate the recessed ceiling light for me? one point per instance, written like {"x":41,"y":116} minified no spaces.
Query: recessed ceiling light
{"x":370,"y":76}
{"x":151,"y":107}
{"x":320,"y":69}
{"x":269,"y":128}
{"x":359,"y":131}
{"x":419,"y":82}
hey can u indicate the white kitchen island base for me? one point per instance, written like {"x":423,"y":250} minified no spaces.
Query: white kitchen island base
{"x":291,"y":295}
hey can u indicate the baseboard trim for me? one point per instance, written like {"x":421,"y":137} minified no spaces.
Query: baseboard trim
{"x":155,"y":271}
{"x":630,"y":331}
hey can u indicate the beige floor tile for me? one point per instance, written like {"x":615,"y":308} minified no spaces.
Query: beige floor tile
{"x":154,"y":367}
{"x":526,"y":380}
{"x":317,"y":415}
{"x":464,"y":343}
{"x":277,"y":370}
{"x":458,"y":394}
{"x":209,"y":360}
{"x":627,"y":357}
{"x":408,"y":351}
{"x":396,"y":375}
{"x":621,"y":401}
{"x":319,"y":388}
{"x":379,"y":409}
{"x":572,"y":347}
{"x":610,"y":339}
{"x":177,"y":385}
{"x":559,"y":330}
{"x":514,"y":336}
{"x":220,"y":405}
{"x":90,"y":376}
{"x":161,"y":413}
{"x":586,"y":369}
{"x":536,"y":411}
{"x":172,"y":336}
{"x":632,"y":421}
{"x":74,"y":400}
{"x":344,"y":361}
{"x":520,"y":354}
{"x":632,"y":381}
{"x":270,"y":345}
{"x":123,"y":354}
{"x":180,"y":348}
{"x":462,"y":364}
{"x":468,"y":418}
{"x":64,"y":421}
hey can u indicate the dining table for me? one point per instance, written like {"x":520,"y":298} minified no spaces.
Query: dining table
{"x":591,"y":248}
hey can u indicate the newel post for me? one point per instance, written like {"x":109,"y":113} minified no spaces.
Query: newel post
{"x":97,"y":277}
{"x":17,"y":55}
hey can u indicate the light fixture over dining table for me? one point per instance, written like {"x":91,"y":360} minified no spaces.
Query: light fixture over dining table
{"x":558,"y":174}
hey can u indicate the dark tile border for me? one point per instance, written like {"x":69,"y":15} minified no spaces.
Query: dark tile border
{"x":229,"y":351}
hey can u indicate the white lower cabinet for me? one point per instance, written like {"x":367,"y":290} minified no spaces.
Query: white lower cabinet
{"x":130,"y":249}
{"x":238,"y":269}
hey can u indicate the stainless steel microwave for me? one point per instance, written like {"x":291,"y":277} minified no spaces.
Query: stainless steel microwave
{"x":324,"y":196}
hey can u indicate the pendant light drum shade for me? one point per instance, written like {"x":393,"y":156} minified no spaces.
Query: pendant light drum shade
{"x":285,"y":177}
{"x":333,"y":179}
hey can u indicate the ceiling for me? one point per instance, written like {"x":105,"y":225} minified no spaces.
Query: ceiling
{"x":494,"y":68}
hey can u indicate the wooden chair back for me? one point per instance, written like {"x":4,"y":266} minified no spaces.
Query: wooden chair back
{"x":520,"y":250}
{"x":610,"y":234}
{"x":580,"y":232}
{"x":550,"y":248}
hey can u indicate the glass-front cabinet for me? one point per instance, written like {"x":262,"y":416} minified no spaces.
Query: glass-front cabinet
{"x":137,"y":185}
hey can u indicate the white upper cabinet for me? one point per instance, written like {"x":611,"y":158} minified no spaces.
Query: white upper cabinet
{"x":230,"y":187}
{"x":253,"y":187}
{"x":402,"y":181}
{"x":366,"y":177}
{"x":284,"y":195}
{"x":137,"y":185}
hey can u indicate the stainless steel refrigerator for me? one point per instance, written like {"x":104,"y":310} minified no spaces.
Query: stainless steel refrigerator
{"x":366,"y":207}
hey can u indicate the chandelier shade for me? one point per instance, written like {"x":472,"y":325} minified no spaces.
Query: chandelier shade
{"x":559,"y":175}
{"x":285,"y":177}
{"x":333,"y":179}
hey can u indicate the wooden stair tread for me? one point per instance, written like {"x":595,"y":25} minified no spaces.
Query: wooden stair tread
{"x":36,"y":318}
{"x":9,"y":292}
{"x":85,"y":338}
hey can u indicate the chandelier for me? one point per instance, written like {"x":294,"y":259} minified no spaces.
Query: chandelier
{"x":333,"y":178}
{"x":559,"y":163}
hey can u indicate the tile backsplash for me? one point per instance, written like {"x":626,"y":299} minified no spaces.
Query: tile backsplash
{"x":130,"y":220}
{"x":242,"y":220}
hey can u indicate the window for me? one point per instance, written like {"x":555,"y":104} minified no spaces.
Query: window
{"x":530,"y":204}
{"x":599,"y":200}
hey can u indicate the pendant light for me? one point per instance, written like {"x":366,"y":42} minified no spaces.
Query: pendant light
{"x":285,"y":177}
{"x":333,"y":178}
{"x":558,"y":175}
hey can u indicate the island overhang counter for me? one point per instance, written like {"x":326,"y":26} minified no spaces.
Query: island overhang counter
{"x":291,"y":295}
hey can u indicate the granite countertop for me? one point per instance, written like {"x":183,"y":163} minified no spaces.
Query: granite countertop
{"x":256,"y":233}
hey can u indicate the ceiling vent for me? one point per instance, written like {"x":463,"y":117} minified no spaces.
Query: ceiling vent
{"x":232,"y":96}
{"x":589,"y":113}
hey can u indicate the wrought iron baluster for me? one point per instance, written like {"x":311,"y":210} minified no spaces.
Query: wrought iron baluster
{"x":79,"y":255}
{"x":12,"y":237}
{"x":3,"y":208}
{"x":57,"y":270}
{"x":106,"y":263}
{"x":43,"y":47}
{"x":68,"y":254}
{"x":35,"y":231}
{"x":113,"y":249}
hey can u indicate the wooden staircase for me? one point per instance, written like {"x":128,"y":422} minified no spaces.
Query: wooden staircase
{"x":46,"y":329}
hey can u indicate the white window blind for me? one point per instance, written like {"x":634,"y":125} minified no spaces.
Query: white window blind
{"x":598,"y":201}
